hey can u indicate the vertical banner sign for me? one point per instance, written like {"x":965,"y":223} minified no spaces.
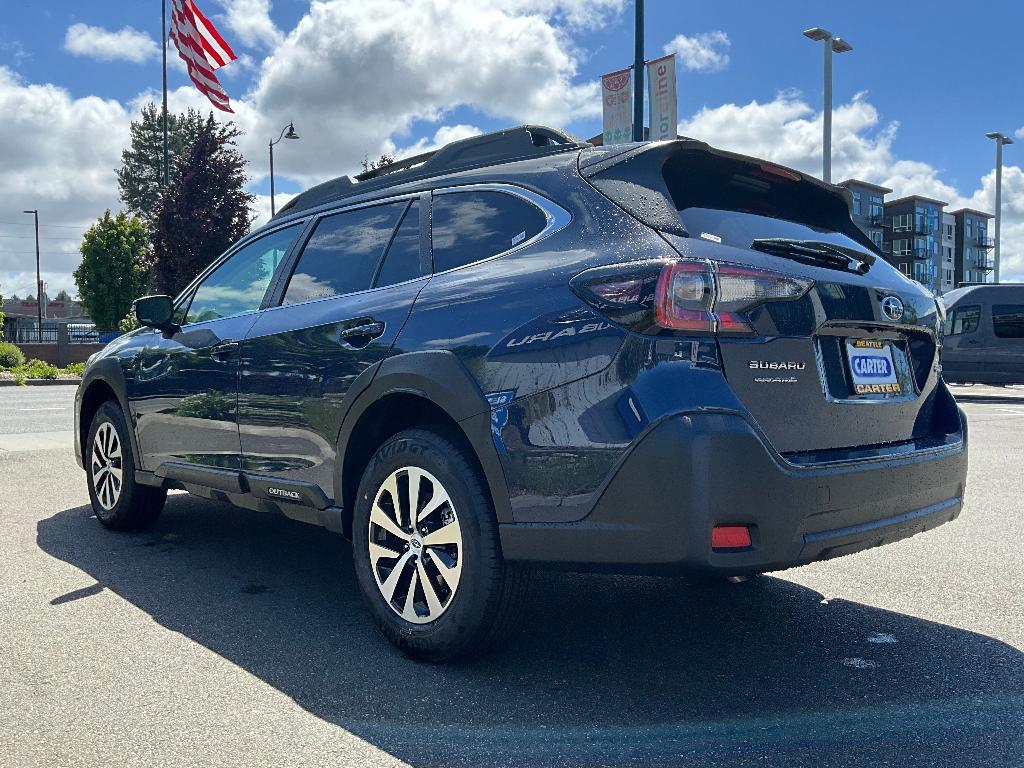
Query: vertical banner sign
{"x":617,"y":94}
{"x":661,"y":97}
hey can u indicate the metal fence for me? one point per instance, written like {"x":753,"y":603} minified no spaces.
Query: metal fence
{"x":22,"y":330}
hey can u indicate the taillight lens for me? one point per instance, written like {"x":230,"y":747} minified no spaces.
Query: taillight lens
{"x":685,"y":295}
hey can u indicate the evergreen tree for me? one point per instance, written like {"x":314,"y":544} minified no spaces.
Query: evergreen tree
{"x":114,"y":268}
{"x":141,"y":174}
{"x":203,"y":211}
{"x":63,"y":296}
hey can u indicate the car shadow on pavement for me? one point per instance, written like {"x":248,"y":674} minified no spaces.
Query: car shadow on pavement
{"x":602,"y":670}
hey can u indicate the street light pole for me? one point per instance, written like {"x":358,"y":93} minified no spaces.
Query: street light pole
{"x":1000,"y":140}
{"x":638,"y":73}
{"x":39,"y":282}
{"x":290,"y":135}
{"x":832,"y":45}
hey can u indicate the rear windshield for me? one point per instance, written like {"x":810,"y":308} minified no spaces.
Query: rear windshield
{"x":735,"y":202}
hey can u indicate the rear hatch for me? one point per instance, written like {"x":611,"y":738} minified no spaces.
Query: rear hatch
{"x":840,"y":358}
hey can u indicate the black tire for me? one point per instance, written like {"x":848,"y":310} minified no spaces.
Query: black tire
{"x":489,"y":591}
{"x":136,"y":506}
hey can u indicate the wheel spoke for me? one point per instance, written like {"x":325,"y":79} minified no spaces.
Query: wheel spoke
{"x":377,"y":552}
{"x":391,"y":488}
{"x":380,"y":518}
{"x":409,"y":609}
{"x":436,"y":501}
{"x":115,"y":453}
{"x":116,"y":472}
{"x":447,"y":534}
{"x":387,"y":588}
{"x":450,"y":574}
{"x":415,"y":479}
{"x":105,"y":492}
{"x":434,"y":606}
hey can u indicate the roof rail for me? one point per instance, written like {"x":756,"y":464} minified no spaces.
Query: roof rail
{"x":499,"y":147}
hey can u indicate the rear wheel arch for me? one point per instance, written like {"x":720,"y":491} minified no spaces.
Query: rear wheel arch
{"x":430,"y":390}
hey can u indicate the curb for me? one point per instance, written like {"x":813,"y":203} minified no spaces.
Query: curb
{"x":40,"y":382}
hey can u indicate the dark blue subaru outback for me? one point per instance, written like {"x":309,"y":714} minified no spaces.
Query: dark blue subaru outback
{"x":524,"y":349}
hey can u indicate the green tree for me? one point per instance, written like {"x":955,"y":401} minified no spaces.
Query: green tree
{"x":114,"y":269}
{"x":373,"y":165}
{"x":140,"y":176}
{"x":63,"y":295}
{"x":203,"y":211}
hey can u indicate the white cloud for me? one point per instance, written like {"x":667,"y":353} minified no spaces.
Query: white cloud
{"x":1019,"y":133}
{"x":58,"y":155}
{"x":250,"y":22}
{"x":127,"y":44}
{"x":704,"y":52}
{"x":356,"y":77}
{"x":576,"y":13}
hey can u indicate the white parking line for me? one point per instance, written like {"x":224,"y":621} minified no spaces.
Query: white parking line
{"x":57,"y":408}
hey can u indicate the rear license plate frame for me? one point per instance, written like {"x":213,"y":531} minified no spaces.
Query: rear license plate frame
{"x":871,"y":366}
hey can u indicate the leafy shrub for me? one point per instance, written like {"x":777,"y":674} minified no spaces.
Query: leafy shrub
{"x":128,"y":323}
{"x":19,"y":379}
{"x":75,"y":369}
{"x":10,"y":356}
{"x":37,"y":369}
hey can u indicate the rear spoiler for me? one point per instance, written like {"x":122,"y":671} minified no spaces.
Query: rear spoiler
{"x":632,"y":176}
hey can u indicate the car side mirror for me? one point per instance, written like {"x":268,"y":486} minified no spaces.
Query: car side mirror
{"x":154,"y":311}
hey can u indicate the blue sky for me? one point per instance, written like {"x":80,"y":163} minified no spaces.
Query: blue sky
{"x":929,"y":79}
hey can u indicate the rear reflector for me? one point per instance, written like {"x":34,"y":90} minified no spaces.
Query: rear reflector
{"x":730,"y":537}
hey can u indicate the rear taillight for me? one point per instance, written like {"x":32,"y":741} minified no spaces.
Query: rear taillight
{"x":685,"y":295}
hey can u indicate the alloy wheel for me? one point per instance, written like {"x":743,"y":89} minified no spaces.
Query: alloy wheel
{"x":415,"y":544}
{"x":106,"y":466}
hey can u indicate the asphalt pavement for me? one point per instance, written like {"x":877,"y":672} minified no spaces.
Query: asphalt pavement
{"x":231,"y":638}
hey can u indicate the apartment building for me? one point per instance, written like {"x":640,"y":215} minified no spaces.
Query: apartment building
{"x":973,"y":247}
{"x":947,"y":249}
{"x":912,"y":238}
{"x":868,"y":208}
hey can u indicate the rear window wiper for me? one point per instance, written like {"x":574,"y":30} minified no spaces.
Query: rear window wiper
{"x":817,"y":253}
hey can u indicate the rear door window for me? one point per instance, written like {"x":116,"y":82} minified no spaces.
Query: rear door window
{"x":962,"y":320}
{"x":474,"y":225}
{"x":344,"y":252}
{"x":1008,"y":320}
{"x":404,"y":260}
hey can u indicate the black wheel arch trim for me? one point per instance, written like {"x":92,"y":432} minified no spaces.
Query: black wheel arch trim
{"x":440,"y":378}
{"x":107,"y":371}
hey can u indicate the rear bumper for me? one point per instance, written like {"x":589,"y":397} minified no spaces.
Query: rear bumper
{"x":694,"y":471}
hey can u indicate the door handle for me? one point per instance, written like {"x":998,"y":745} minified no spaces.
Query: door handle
{"x":220,"y":352}
{"x":360,"y":335}
{"x":971,"y":342}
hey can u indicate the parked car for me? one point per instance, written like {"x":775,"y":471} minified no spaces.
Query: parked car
{"x":525,"y":350}
{"x":984,"y":335}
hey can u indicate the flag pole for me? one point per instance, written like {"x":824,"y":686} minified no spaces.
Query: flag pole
{"x":163,"y":30}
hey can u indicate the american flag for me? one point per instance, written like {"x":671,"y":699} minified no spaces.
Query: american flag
{"x":202,"y":49}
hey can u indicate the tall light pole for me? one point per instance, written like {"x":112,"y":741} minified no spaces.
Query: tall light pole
{"x":1000,"y":140}
{"x":291,"y":134}
{"x":39,"y":282}
{"x":638,"y":72}
{"x":832,"y":45}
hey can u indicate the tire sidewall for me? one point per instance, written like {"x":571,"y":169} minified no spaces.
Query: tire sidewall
{"x":462,"y":619}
